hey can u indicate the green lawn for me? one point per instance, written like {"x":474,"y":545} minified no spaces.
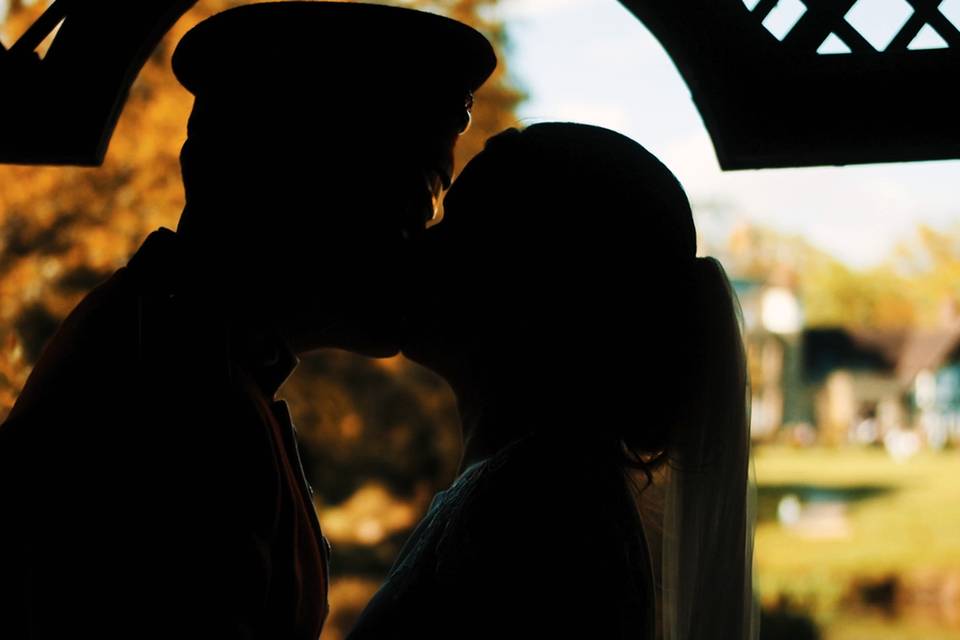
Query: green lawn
{"x":904,"y":520}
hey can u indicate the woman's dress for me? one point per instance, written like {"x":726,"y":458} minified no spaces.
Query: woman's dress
{"x":541,"y":540}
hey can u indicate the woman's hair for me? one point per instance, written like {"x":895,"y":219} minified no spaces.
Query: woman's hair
{"x":605,"y":234}
{"x":592,"y":291}
{"x":710,"y":380}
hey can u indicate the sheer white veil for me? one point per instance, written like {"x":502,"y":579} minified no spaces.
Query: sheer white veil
{"x":705,"y":507}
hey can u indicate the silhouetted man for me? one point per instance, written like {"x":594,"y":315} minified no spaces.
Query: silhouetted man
{"x":151,"y":478}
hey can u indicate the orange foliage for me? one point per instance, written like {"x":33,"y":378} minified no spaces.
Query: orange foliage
{"x":64,"y":229}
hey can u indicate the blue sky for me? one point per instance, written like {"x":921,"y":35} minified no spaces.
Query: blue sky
{"x":591,"y":61}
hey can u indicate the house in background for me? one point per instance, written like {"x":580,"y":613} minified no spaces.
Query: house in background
{"x":773,"y":321}
{"x":930,"y":372}
{"x":837,"y":385}
{"x":852,"y":387}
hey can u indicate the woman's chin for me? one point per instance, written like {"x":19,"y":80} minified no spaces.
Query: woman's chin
{"x":371,"y":344}
{"x":417,"y":349}
{"x":435,"y":354}
{"x":411,"y":352}
{"x":380,"y":348}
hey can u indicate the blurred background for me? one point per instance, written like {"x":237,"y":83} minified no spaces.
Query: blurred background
{"x":849,"y":279}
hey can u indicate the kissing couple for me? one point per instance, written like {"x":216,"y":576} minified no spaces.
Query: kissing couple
{"x":596,"y":360}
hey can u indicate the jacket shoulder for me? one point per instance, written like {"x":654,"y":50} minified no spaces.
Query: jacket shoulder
{"x":93,"y":339}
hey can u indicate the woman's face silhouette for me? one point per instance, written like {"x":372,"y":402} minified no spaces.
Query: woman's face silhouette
{"x":465,"y":260}
{"x":350,"y":268}
{"x":549,"y":236}
{"x":316,"y":227}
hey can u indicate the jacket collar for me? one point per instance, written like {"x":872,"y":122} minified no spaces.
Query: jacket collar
{"x":162,"y":267}
{"x":265,"y":355}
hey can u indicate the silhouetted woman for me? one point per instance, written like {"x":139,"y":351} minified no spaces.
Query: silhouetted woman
{"x":591,"y":353}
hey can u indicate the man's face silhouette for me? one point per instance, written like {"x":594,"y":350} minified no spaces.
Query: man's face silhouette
{"x":322,"y":227}
{"x":324,"y":193}
{"x":320,"y":135}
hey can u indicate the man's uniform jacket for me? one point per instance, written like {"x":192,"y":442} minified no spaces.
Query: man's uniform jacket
{"x":151,"y":485}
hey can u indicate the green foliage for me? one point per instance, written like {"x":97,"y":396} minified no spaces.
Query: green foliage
{"x":890,"y":533}
{"x":930,"y":261}
{"x":919,"y":285}
{"x":914,"y":287}
{"x":834,"y":295}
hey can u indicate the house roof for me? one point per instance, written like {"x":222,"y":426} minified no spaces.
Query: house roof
{"x":927,"y":349}
{"x":828,"y":349}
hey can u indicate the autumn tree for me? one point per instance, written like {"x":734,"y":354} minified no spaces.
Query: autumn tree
{"x":917,"y":286}
{"x":361,"y":422}
{"x":65,"y":229}
{"x":833,"y":294}
{"x":929,"y":259}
